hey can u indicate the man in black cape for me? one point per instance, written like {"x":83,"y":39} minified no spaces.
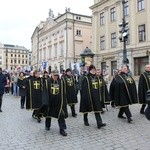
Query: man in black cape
{"x":143,"y":87}
{"x":91,"y":100}
{"x":147,"y":110}
{"x":103,"y":90}
{"x":125,"y":93}
{"x":70,"y":86}
{"x":54,"y":102}
{"x":34,"y":94}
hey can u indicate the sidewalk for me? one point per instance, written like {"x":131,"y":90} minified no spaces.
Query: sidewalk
{"x":19,"y":131}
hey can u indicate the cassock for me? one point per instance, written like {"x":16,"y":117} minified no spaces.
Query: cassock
{"x":143,"y":87}
{"x":91,"y":99}
{"x":70,"y":86}
{"x":34,"y":93}
{"x":125,"y":90}
{"x":54,"y":99}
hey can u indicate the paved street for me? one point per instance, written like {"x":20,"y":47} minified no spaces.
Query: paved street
{"x":19,"y":131}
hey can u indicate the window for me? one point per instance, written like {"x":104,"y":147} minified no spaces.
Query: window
{"x":102,"y":18}
{"x":141,"y":5}
{"x":44,"y":50}
{"x":61,"y":49}
{"x":15,"y":55}
{"x":11,"y":55}
{"x":112,"y":14}
{"x":23,"y":56}
{"x":141,"y":30}
{"x":11,"y":61}
{"x":55,"y":49}
{"x":18,"y":55}
{"x":26,"y":56}
{"x":26,"y":61}
{"x":18,"y":61}
{"x":139,"y":65}
{"x":126,"y":8}
{"x":50,"y":49}
{"x":78,"y":32}
{"x":22,"y":61}
{"x":113,"y":67}
{"x":113,"y":40}
{"x":102,"y":42}
{"x":0,"y":62}
{"x":78,"y":17}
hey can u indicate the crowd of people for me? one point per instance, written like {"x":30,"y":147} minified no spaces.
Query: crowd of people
{"x":48,"y":95}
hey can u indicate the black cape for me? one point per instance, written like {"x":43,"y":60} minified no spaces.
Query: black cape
{"x":112,"y":88}
{"x":91,"y":99}
{"x":34,"y":93}
{"x":125,"y":90}
{"x":70,"y":86}
{"x":143,"y":87}
{"x":53,"y":99}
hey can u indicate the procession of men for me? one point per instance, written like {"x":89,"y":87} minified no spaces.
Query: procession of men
{"x":49,"y":95}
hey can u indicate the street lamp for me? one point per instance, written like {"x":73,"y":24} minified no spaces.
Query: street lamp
{"x":124,"y":34}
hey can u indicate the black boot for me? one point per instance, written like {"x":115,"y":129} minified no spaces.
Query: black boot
{"x":86,"y":123}
{"x":73,"y":111}
{"x":142,"y":108}
{"x":62,"y":132}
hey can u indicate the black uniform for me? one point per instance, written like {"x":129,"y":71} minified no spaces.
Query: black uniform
{"x":125,"y":94}
{"x":34,"y":95}
{"x":91,"y":100}
{"x":71,"y":93}
{"x":143,"y":87}
{"x":54,"y":103}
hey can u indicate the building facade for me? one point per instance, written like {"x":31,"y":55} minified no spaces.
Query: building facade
{"x":58,"y":42}
{"x":107,"y":15}
{"x":14,"y":57}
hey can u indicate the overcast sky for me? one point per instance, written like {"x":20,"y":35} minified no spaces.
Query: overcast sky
{"x":19,"y":18}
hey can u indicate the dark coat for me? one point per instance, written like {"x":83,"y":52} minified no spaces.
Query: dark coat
{"x":34,"y":93}
{"x":70,"y":87}
{"x":2,"y":83}
{"x":22,"y":83}
{"x":125,"y":90}
{"x":91,"y":99}
{"x":53,"y":99}
{"x":143,"y":87}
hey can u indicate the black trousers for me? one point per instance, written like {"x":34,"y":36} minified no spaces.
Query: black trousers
{"x":22,"y":101}
{"x":73,"y":109}
{"x":125,"y":110}
{"x":1,"y":97}
{"x":61,"y":122}
{"x":97,"y":117}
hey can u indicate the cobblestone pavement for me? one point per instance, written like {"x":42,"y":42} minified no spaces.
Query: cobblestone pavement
{"x":19,"y":131}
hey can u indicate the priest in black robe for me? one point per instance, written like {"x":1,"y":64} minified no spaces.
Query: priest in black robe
{"x":143,"y":87}
{"x":54,"y":102}
{"x":125,"y":93}
{"x":91,"y":100}
{"x":34,"y":94}
{"x":71,"y":91}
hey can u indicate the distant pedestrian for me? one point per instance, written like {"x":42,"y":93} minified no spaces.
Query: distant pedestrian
{"x":2,"y":87}
{"x":22,"y":84}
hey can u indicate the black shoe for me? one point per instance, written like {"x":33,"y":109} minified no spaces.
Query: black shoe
{"x":129,"y":120}
{"x":33,"y":116}
{"x":38,"y":120}
{"x":102,"y":112}
{"x":86,"y":123}
{"x":63,"y":133}
{"x":122,"y":117}
{"x":74,"y":115}
{"x":113,"y":104}
{"x":0,"y":110}
{"x":101,"y":125}
{"x":47,"y":128}
{"x":142,"y":112}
